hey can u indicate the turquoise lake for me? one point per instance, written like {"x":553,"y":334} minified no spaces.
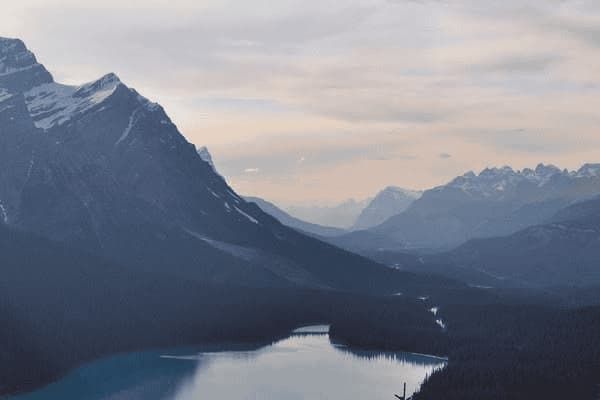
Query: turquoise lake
{"x":306,"y":365}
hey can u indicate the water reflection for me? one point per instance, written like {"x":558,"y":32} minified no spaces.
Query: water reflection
{"x":303,"y":366}
{"x":307,"y":367}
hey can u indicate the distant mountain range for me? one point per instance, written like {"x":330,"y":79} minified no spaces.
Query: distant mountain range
{"x":341,"y":216}
{"x":352,"y":214}
{"x":293,"y":222}
{"x":562,"y":251}
{"x":389,"y":202}
{"x":495,"y":202}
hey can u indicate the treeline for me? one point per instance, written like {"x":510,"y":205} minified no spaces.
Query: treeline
{"x":518,"y":352}
{"x":53,"y":333}
{"x":392,"y":323}
{"x":60,"y":308}
{"x":502,"y":344}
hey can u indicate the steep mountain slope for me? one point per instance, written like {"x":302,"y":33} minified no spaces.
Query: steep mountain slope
{"x":292,"y":222}
{"x":562,"y":252}
{"x":277,"y":212}
{"x":387,"y":203}
{"x":102,"y":168}
{"x":498,"y":201}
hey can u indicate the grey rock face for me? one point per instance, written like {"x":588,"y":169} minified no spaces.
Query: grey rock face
{"x":19,"y":69}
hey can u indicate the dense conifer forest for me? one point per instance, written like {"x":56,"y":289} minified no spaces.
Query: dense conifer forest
{"x":501,"y":344}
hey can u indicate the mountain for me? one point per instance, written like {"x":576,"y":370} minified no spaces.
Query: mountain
{"x":206,"y":156}
{"x":564,"y":251}
{"x":102,"y":169}
{"x":292,"y":222}
{"x":495,"y":202}
{"x":342,"y":216}
{"x":276,"y":212}
{"x":116,"y":235}
{"x":387,"y":203}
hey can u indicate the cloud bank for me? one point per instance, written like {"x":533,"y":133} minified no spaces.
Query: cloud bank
{"x":366,"y":93}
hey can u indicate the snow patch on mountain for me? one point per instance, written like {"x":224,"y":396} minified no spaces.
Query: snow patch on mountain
{"x":205,"y":155}
{"x":588,"y":171}
{"x":213,"y":193}
{"x":133,"y":118}
{"x":54,"y":104}
{"x":248,"y":217}
{"x":3,"y":213}
{"x":494,"y":182}
{"x":31,"y":164}
{"x":4,"y":95}
{"x":238,"y":251}
{"x":8,"y":107}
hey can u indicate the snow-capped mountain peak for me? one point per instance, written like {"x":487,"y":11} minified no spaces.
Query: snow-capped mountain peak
{"x":389,"y":202}
{"x":107,"y":83}
{"x":495,"y":181}
{"x":492,"y":182}
{"x":588,"y":171}
{"x":53,"y":104}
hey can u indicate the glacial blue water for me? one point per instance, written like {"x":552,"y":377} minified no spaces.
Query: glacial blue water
{"x":303,"y":366}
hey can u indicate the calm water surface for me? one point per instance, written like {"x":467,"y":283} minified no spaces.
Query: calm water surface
{"x":304,"y":366}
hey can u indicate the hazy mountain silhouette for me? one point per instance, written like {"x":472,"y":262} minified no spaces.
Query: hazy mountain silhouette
{"x":563,"y":251}
{"x":296,"y":223}
{"x":387,"y":203}
{"x":341,"y":216}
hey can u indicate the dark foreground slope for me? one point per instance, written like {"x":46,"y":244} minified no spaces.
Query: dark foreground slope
{"x":60,"y":307}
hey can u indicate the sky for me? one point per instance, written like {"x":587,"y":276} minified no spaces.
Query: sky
{"x":315,"y":102}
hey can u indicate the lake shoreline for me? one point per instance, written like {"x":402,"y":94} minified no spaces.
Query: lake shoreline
{"x":252,"y":345}
{"x":208,"y":347}
{"x":199,"y":369}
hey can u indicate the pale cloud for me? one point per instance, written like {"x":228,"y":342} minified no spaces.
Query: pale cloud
{"x":330,"y":100}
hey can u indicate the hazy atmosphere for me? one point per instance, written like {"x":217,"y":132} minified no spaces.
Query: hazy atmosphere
{"x":322,"y":101}
{"x":299,"y":199}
